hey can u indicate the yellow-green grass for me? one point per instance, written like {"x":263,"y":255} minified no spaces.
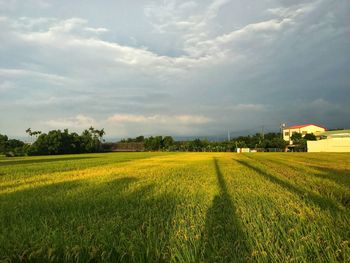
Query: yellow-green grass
{"x":187,"y":207}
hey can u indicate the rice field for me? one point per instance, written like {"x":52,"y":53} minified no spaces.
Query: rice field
{"x":175,"y":207}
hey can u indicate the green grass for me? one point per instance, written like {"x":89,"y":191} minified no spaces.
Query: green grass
{"x":187,"y":207}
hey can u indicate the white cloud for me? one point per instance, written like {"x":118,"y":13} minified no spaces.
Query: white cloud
{"x":213,"y":9}
{"x":250,"y":107}
{"x":134,"y":124}
{"x":192,"y":119}
{"x":295,"y":10}
{"x":159,"y":118}
{"x":76,"y":37}
{"x":97,"y":30}
{"x":23,"y":73}
{"x":7,"y":86}
{"x":188,"y":5}
{"x":130,"y":118}
{"x":14,"y":4}
{"x":79,"y":122}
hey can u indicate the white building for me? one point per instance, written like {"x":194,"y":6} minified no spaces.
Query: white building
{"x":303,"y":130}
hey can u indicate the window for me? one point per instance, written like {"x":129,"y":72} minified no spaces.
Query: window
{"x":286,"y":133}
{"x":294,"y":133}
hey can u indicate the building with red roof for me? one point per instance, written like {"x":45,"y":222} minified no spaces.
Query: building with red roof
{"x":303,"y":130}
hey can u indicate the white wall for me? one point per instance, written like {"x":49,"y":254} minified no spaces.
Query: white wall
{"x":329,"y":145}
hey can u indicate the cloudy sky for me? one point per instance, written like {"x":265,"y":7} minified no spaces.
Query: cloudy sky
{"x":173,"y":66}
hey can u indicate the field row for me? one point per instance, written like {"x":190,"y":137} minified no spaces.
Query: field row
{"x":188,"y":207}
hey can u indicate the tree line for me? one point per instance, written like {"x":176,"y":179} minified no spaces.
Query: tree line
{"x":91,"y":140}
{"x":167,"y":143}
{"x":54,"y":142}
{"x":11,"y":145}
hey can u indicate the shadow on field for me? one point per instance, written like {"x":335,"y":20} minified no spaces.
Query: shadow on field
{"x":338,"y":176}
{"x":322,"y":202}
{"x":10,"y":162}
{"x":118,"y":220}
{"x":223,"y":239}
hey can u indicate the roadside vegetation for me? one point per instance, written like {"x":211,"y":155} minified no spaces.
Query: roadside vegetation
{"x":188,"y":207}
{"x":58,"y":142}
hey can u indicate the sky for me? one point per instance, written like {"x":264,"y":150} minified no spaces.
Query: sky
{"x":173,"y":67}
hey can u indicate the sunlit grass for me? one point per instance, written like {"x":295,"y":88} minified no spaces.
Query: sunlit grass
{"x":188,"y":207}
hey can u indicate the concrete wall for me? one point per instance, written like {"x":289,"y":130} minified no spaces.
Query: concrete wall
{"x":329,"y":145}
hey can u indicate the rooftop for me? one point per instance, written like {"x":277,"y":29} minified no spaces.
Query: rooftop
{"x":302,"y":126}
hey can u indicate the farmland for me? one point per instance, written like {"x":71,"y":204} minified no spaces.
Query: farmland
{"x":187,"y":207}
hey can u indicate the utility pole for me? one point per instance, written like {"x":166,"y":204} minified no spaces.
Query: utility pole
{"x":228,"y":136}
{"x":282,"y":126}
{"x":262,"y":132}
